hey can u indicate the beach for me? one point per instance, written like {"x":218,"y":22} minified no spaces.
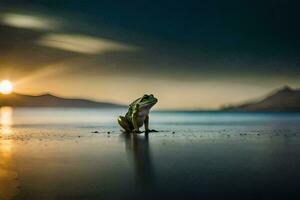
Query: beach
{"x":82,"y":154}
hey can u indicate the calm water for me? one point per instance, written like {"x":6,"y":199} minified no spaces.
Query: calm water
{"x":56,"y":154}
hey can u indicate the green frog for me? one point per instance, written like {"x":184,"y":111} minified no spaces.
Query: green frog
{"x":138,"y":115}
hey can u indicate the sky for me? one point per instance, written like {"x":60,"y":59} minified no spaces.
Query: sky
{"x":190,"y":54}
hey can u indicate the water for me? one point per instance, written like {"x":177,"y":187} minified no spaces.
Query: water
{"x":56,"y":154}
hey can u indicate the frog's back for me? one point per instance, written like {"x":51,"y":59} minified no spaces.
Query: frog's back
{"x":131,"y":108}
{"x":128,"y":115}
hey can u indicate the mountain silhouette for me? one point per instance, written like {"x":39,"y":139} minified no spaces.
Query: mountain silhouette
{"x":283,"y":99}
{"x":48,"y":100}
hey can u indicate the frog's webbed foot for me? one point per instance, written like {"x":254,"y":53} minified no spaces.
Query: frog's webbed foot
{"x":124,"y":124}
{"x":150,"y":130}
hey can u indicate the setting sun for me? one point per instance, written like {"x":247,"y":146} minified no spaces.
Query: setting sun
{"x":6,"y":87}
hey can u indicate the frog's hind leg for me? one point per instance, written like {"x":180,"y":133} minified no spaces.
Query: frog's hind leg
{"x":124,"y":124}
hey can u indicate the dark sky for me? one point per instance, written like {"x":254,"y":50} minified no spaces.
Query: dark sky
{"x":228,"y":47}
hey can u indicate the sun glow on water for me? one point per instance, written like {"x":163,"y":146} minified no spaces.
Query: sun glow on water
{"x":6,"y":87}
{"x":6,"y":120}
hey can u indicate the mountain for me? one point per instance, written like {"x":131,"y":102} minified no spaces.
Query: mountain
{"x":283,"y":99}
{"x":48,"y":100}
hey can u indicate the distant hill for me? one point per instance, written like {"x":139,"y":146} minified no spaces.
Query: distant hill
{"x":283,"y":99}
{"x":48,"y":100}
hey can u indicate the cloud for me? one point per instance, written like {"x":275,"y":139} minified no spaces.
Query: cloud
{"x":28,"y":21}
{"x":83,"y":43}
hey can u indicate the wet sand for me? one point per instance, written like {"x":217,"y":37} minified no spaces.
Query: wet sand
{"x":192,"y":161}
{"x":110,"y":166}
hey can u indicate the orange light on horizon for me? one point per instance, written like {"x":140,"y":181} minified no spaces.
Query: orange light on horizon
{"x":6,"y":87}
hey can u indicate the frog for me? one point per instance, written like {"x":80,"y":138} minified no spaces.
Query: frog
{"x":138,"y":115}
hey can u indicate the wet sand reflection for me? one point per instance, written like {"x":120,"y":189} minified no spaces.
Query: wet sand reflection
{"x":8,"y":176}
{"x":137,"y":147}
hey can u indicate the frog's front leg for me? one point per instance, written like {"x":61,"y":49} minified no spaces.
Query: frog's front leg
{"x":146,"y":123}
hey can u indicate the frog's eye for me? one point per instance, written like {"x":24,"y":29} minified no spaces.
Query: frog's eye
{"x":145,"y":97}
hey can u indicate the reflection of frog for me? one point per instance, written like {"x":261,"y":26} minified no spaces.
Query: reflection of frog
{"x":138,"y":114}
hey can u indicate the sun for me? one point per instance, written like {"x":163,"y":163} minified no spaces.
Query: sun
{"x":6,"y":87}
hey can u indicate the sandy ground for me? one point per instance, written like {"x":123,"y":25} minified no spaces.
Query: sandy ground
{"x":80,"y":164}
